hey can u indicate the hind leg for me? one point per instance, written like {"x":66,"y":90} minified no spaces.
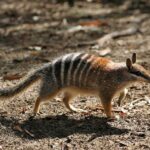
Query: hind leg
{"x":48,"y":90}
{"x":36,"y":106}
{"x":41,"y":99}
{"x":67,"y":98}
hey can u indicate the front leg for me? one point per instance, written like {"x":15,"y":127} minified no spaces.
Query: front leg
{"x":122,"y":96}
{"x":107,"y":107}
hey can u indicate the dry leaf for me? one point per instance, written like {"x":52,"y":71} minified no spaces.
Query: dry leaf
{"x":17,"y":128}
{"x":13,"y":76}
{"x":35,"y":53}
{"x":94,"y":23}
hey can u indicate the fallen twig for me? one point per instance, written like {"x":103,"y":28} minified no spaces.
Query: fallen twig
{"x":134,"y":19}
{"x":106,"y":38}
{"x":17,"y":127}
{"x":79,"y":28}
{"x":137,"y":102}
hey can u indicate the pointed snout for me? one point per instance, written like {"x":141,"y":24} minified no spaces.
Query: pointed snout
{"x":147,"y":78}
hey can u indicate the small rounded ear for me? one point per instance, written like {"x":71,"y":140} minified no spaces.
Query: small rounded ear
{"x":129,"y":63}
{"x":134,"y":58}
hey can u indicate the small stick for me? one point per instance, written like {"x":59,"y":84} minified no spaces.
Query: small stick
{"x":117,"y":34}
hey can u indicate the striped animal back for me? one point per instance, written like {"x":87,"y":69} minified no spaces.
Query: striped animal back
{"x":73,"y":69}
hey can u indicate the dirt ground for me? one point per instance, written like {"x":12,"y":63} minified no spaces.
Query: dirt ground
{"x":35,"y":32}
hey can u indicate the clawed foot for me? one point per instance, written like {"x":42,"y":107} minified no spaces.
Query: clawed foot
{"x":111,"y":119}
{"x":32,"y":116}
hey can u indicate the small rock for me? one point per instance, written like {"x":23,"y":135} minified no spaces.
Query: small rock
{"x":35,"y":18}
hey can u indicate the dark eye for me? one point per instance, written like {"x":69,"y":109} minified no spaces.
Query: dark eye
{"x":138,"y":73}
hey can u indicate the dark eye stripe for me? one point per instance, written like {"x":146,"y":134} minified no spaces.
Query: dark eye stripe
{"x":138,"y":73}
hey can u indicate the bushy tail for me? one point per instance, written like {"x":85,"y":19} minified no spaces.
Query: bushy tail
{"x":24,"y":84}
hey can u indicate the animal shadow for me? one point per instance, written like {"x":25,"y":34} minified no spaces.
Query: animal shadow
{"x":62,"y":126}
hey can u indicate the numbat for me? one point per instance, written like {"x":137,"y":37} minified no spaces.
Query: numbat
{"x":80,"y":73}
